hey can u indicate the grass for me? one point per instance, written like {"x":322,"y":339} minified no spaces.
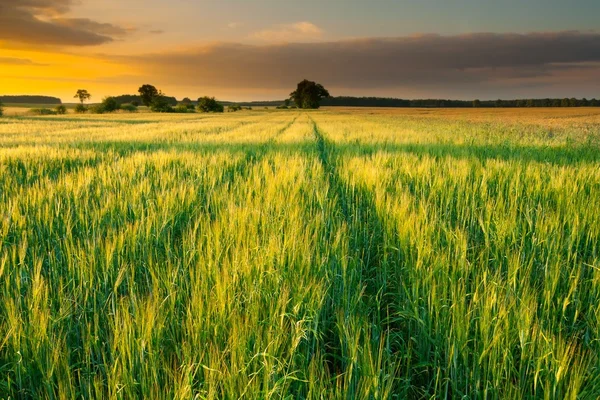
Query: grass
{"x":342,"y":253}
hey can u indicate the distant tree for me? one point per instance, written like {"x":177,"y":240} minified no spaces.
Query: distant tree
{"x":209,"y":104}
{"x":233,"y":108}
{"x":110,"y":104}
{"x":309,"y":94}
{"x":82,"y":95}
{"x":1,"y":109}
{"x":148,"y":93}
{"x":476,"y":103}
{"x":564,"y":102}
{"x":60,"y":109}
{"x":584,"y":102}
{"x":594,"y":103}
{"x":498,"y":103}
{"x":529,"y":103}
{"x":186,"y":101}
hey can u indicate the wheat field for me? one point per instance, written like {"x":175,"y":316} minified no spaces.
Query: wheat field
{"x":331,"y":254}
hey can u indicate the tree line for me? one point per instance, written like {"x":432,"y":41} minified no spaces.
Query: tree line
{"x":150,"y":97}
{"x":348,"y":101}
{"x":307,"y":95}
{"x":30,"y":100}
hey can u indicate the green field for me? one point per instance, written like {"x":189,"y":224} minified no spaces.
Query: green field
{"x":335,"y":254}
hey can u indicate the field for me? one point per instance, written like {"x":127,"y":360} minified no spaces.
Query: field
{"x":340,"y":253}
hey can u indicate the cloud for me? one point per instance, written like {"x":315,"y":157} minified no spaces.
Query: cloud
{"x":233,"y":25}
{"x":157,"y":32}
{"x":42,"y":22}
{"x":299,"y":31}
{"x":19,"y":61}
{"x":457,"y":65}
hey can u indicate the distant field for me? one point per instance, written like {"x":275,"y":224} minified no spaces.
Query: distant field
{"x":340,"y":253}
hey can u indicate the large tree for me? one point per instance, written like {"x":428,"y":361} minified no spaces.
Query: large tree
{"x":148,"y":93}
{"x":309,"y":94}
{"x":82,"y":95}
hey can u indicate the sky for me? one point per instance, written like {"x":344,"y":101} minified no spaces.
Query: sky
{"x":258,"y":50}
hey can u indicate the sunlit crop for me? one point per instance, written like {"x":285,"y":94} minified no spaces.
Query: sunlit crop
{"x":347,"y":254}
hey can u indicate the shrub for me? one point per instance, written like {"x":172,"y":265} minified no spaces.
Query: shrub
{"x":1,"y":109}
{"x":129,"y":108}
{"x":209,"y":104}
{"x":160,"y":104}
{"x":43,"y":111}
{"x":183,"y":108}
{"x":233,"y":108}
{"x":282,"y":107}
{"x":110,"y":104}
{"x":97,"y":109}
{"x":80,"y":109}
{"x":60,"y":109}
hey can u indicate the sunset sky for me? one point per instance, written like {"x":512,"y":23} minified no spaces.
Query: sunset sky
{"x":257,"y":50}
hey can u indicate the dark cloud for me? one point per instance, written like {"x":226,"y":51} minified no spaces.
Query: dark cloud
{"x":18,"y":61}
{"x":427,"y":61}
{"x":41,"y":22}
{"x":157,"y":32}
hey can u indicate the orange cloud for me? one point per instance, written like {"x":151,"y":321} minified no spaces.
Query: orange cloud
{"x":299,"y":31}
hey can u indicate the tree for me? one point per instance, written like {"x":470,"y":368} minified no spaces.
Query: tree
{"x":60,"y":109}
{"x":476,"y":103}
{"x":209,"y":104}
{"x":82,"y":95}
{"x":309,"y":94}
{"x":148,"y":93}
{"x":186,"y":100}
{"x":1,"y":109}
